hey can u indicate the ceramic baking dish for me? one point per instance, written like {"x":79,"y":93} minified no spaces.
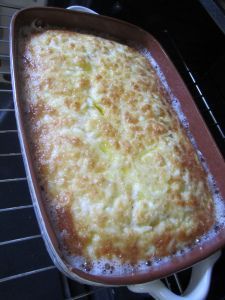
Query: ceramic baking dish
{"x":130,"y":34}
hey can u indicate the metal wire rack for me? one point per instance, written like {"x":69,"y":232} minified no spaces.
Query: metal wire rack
{"x":22,"y":252}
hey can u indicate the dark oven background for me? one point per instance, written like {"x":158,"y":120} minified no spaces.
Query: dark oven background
{"x":193,"y":37}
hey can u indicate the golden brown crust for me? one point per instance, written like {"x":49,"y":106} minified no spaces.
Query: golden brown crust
{"x":118,"y":170}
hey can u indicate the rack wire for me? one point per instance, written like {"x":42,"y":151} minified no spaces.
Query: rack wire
{"x":173,"y":282}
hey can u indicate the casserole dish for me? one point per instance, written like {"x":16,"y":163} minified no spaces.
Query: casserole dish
{"x":127,"y":33}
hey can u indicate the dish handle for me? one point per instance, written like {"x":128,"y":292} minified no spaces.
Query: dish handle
{"x":197,"y":289}
{"x":82,"y":9}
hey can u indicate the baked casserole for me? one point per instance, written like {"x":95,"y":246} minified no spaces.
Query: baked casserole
{"x":120,"y":177}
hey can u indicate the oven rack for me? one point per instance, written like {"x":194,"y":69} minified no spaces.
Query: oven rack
{"x":23,"y":237}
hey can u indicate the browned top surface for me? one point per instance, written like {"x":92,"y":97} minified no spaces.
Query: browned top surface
{"x":117,"y":168}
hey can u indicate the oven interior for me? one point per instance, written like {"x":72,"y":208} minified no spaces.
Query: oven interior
{"x":192,"y":33}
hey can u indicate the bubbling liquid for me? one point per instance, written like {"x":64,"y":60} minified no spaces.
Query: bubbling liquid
{"x":115,"y":267}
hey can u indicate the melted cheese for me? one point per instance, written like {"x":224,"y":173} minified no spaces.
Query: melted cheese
{"x":121,"y":178}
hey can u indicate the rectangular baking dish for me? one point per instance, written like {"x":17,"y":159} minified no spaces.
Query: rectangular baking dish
{"x":128,"y":34}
